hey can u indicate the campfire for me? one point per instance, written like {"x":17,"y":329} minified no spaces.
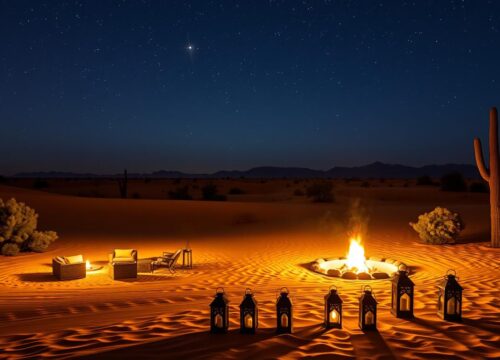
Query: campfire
{"x":89,"y":267}
{"x":355,"y":265}
{"x":356,"y":261}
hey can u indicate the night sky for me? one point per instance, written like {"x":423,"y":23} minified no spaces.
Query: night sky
{"x":200,"y":86}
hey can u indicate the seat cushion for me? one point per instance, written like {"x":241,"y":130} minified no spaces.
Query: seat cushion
{"x":60,"y":259}
{"x":124,"y":253}
{"x":127,"y":259}
{"x":76,"y":259}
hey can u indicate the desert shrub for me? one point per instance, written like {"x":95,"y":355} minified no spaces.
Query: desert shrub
{"x":440,"y":226}
{"x":453,"y":182}
{"x":321,"y":192}
{"x":365,"y":184}
{"x":298,"y":192}
{"x":424,"y":180}
{"x":3,"y":179}
{"x":40,"y":240}
{"x":40,"y":184}
{"x":10,"y":249}
{"x":180,"y":193}
{"x":479,"y":187}
{"x":236,"y":191}
{"x":210,"y":192}
{"x":18,"y":223}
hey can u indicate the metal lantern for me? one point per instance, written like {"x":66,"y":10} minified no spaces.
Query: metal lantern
{"x":249,"y":316}
{"x":333,"y":309}
{"x":219,"y":312}
{"x":367,"y":310}
{"x":402,"y":295}
{"x":450,"y":297}
{"x":284,"y":312}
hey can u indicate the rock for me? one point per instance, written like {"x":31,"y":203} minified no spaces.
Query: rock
{"x":320,"y":260}
{"x":349,"y":275}
{"x":374,"y":258}
{"x":364,"y":276}
{"x":315,"y":267}
{"x":390,"y":261}
{"x":333,"y":273}
{"x":380,"y":275}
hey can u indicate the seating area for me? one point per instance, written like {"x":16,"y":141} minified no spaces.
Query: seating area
{"x":69,"y":267}
{"x":122,"y":264}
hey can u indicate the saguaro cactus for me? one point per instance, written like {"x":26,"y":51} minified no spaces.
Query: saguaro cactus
{"x":491,"y":175}
{"x":123,"y":185}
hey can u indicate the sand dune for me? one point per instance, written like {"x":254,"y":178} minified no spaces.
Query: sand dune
{"x":239,"y":245}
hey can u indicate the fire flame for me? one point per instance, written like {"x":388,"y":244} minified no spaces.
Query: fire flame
{"x":356,"y":260}
{"x":87,"y":265}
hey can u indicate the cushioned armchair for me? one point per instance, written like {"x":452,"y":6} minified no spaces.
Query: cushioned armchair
{"x":123,"y":264}
{"x":69,"y":267}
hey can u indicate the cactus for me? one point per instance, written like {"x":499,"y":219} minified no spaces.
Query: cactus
{"x":123,"y":185}
{"x":491,"y":176}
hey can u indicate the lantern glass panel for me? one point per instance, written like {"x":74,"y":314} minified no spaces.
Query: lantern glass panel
{"x":284,"y":320}
{"x":369,"y":318}
{"x":248,"y":321}
{"x":404,"y":302}
{"x":453,"y":306}
{"x":334,"y":316}
{"x":440,"y":303}
{"x":218,"y":320}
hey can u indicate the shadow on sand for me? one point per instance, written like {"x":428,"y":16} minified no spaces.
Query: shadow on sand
{"x":483,"y":236}
{"x":373,"y":341}
{"x":37,"y":277}
{"x":203,"y":345}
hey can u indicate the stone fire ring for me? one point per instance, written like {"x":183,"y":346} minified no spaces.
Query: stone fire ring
{"x":381,"y":268}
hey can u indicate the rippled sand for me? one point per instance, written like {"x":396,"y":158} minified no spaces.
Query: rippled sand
{"x":165,"y":316}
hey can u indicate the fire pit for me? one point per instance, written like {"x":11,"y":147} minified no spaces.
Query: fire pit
{"x":355,"y":266}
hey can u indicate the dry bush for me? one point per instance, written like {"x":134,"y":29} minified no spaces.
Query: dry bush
{"x":18,"y":223}
{"x":440,"y":226}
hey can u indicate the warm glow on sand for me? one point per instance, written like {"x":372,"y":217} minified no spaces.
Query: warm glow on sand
{"x":356,"y":260}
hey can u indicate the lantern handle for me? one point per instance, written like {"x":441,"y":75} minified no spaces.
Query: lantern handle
{"x":367,"y":286}
{"x":404,"y":267}
{"x":449,"y":271}
{"x":333,"y":287}
{"x":281,"y":291}
{"x":217,"y":291}
{"x":248,"y":291}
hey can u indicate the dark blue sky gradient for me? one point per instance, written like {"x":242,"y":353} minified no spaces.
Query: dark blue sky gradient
{"x":102,"y":85}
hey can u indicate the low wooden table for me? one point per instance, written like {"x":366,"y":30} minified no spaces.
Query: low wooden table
{"x":187,"y":258}
{"x":145,"y":265}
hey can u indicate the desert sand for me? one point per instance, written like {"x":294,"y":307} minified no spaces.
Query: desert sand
{"x":262,"y":245}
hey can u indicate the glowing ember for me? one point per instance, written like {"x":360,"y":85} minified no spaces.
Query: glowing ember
{"x":356,"y":261}
{"x":87,"y":265}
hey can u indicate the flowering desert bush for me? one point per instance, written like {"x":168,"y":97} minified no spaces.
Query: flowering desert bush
{"x":440,"y":226}
{"x":18,"y":223}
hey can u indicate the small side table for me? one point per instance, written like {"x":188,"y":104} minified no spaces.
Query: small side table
{"x":187,"y":258}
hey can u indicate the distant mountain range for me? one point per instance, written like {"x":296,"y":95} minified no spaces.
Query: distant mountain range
{"x":374,"y":170}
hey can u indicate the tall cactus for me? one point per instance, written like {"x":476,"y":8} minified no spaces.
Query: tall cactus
{"x":123,"y":185}
{"x":491,"y":176}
